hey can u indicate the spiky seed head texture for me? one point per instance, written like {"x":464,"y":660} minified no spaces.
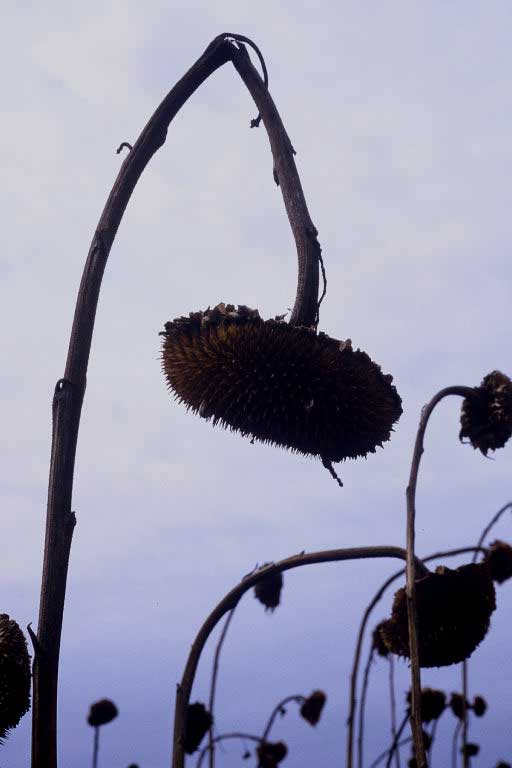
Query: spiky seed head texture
{"x":271,"y":753}
{"x":454,"y":610}
{"x":499,"y":560}
{"x":268,"y":589}
{"x":14,"y":675}
{"x":198,"y":723}
{"x":312,"y":707}
{"x":486,"y":417}
{"x":479,"y":706}
{"x":102,"y":712}
{"x":278,"y":383}
{"x":432,"y":704}
{"x":378,"y":643}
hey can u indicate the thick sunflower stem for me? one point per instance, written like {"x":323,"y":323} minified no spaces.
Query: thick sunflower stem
{"x":412,"y":618}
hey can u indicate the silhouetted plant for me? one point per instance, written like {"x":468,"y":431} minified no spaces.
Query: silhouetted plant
{"x":14,"y":675}
{"x":101,"y":713}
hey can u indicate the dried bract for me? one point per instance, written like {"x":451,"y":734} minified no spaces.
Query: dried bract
{"x":268,"y":589}
{"x":270,"y":754}
{"x":197,"y":724}
{"x":102,"y":712}
{"x":312,"y":707}
{"x":454,"y":609}
{"x":499,"y":560}
{"x":433,"y":704}
{"x":278,"y":383}
{"x":486,"y":417}
{"x":14,"y":675}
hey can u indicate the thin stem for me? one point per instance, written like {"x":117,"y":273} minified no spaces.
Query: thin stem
{"x":364,"y":691}
{"x":213,"y":686}
{"x":225,"y":737}
{"x":465,"y":684}
{"x":231,"y":600}
{"x":396,"y":739}
{"x":454,"y":743}
{"x":412,"y":617}
{"x":276,"y":711}
{"x":70,"y":390}
{"x":360,"y":637}
{"x":96,"y":746}
{"x":392,"y":701}
{"x":382,"y":755}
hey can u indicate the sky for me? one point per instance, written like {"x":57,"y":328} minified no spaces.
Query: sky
{"x":400,"y":114}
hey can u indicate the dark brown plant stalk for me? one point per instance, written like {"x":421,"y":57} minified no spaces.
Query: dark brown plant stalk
{"x":492,"y":522}
{"x":419,"y":747}
{"x":70,"y":390}
{"x":360,"y":637}
{"x":213,"y":686}
{"x":231,"y":600}
{"x":364,"y":691}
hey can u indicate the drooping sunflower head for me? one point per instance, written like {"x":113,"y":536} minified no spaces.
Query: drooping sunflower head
{"x":278,"y":383}
{"x":486,"y":417}
{"x":14,"y":675}
{"x":454,"y":609}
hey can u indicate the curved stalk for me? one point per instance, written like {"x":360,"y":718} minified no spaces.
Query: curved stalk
{"x":224,"y":737}
{"x":231,"y":600}
{"x":277,"y":709}
{"x":360,"y":636}
{"x":213,"y":686}
{"x":364,"y":691}
{"x":412,"y":618}
{"x":70,"y":390}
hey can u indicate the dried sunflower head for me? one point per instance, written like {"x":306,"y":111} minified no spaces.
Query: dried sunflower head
{"x":499,"y":560}
{"x":454,"y":609}
{"x":102,"y":712}
{"x":479,"y":706}
{"x":312,"y":707}
{"x":457,"y":705}
{"x":198,"y":723}
{"x":278,"y":383}
{"x":433,"y":704}
{"x":486,"y":417}
{"x":270,"y":754}
{"x":14,"y":675}
{"x":268,"y":589}
{"x":470,"y":750}
{"x":378,"y":643}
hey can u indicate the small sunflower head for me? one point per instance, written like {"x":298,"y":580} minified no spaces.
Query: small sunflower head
{"x":198,"y":723}
{"x":378,"y":643}
{"x":14,"y":675}
{"x":312,"y":707}
{"x":501,"y":764}
{"x":102,"y":712}
{"x":479,"y":706}
{"x":486,"y":417}
{"x":499,"y":560}
{"x":470,"y":750}
{"x":270,"y":754}
{"x":433,"y":704}
{"x":280,"y":384}
{"x":268,"y":589}
{"x":457,"y":705}
{"x":454,"y":609}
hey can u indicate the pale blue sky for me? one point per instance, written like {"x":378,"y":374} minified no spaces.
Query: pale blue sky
{"x":401,"y":116}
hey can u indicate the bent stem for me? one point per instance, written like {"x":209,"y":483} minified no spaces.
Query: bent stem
{"x":213,"y":686}
{"x":412,"y":618}
{"x":224,"y":737}
{"x":492,"y":522}
{"x":360,"y":637}
{"x":232,"y":599}
{"x":277,"y":710}
{"x":70,"y":390}
{"x":364,"y":691}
